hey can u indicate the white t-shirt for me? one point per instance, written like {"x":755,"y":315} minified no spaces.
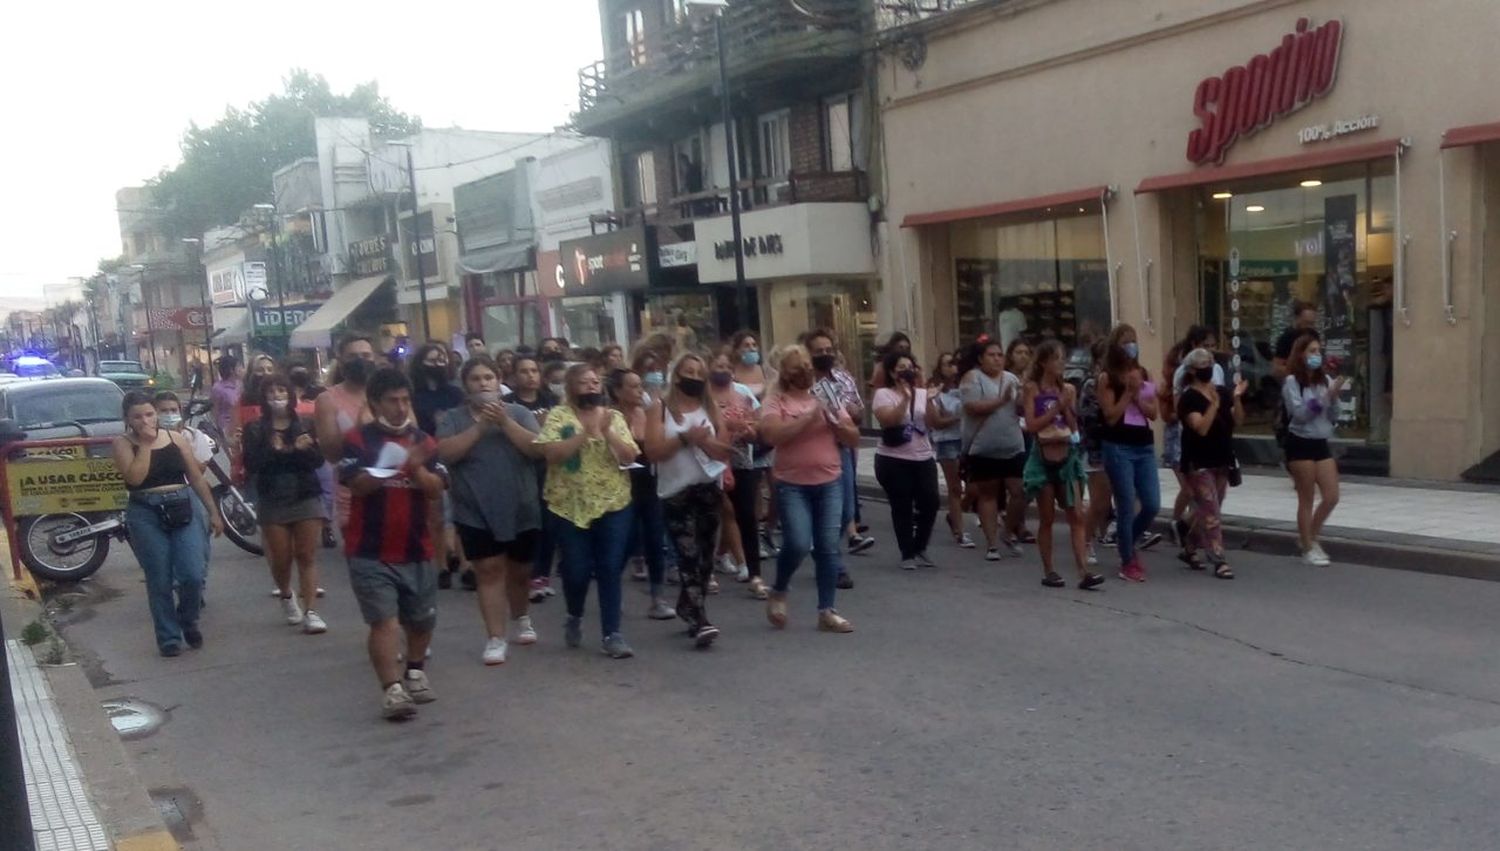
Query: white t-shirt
{"x":203,"y":449}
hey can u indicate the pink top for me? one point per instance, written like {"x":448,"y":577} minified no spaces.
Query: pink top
{"x":1133,"y":414}
{"x":812,"y":457}
{"x":918,"y":448}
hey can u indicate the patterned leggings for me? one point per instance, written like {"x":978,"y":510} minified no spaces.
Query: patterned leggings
{"x":1206,"y":488}
{"x":692,"y":516}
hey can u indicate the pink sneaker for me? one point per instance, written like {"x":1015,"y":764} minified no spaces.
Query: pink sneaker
{"x":1133,"y":572}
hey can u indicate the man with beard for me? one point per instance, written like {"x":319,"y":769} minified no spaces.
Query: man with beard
{"x":393,"y":476}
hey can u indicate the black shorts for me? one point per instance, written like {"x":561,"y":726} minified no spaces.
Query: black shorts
{"x":1305,"y":449}
{"x":980,"y":468}
{"x":480,"y":544}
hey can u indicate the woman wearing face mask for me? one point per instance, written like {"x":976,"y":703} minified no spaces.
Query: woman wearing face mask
{"x":166,"y":524}
{"x":1018,"y":363}
{"x":994,"y":448}
{"x":739,"y":411}
{"x":247,"y":411}
{"x":649,"y":366}
{"x":1209,"y":414}
{"x":586,"y":444}
{"x":904,"y":463}
{"x":808,"y":434}
{"x":898,"y":342}
{"x":529,"y":393}
{"x":946,"y":420}
{"x":1054,"y":467}
{"x":1312,"y":406}
{"x":648,"y":530}
{"x":683,"y":440}
{"x":282,"y":452}
{"x":554,"y":379}
{"x":487,"y":447}
{"x":432,"y":392}
{"x":1127,"y":404}
{"x":749,"y":369}
{"x":305,"y":393}
{"x":1175,"y":365}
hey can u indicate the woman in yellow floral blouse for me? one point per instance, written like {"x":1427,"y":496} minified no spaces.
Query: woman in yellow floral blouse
{"x":587,"y":444}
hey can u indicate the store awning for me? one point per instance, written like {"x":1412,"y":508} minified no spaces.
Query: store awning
{"x":236,"y":332}
{"x":1474,"y":134}
{"x":499,"y":258}
{"x":1264,"y":168}
{"x":1022,"y":205}
{"x":316,"y":331}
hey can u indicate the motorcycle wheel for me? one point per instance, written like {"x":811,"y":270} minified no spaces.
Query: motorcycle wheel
{"x":72,"y":563}
{"x":240,"y":525}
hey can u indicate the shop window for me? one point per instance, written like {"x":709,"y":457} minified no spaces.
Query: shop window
{"x":1041,"y":277}
{"x":690,"y":319}
{"x":511,"y":325}
{"x":775,"y":144}
{"x":1324,"y":238}
{"x":635,"y":37}
{"x":587,"y":321}
{"x":838,"y":137}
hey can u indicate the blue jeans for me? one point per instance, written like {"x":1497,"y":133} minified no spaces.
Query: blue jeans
{"x":172,"y":561}
{"x":648,"y":537}
{"x":596,"y":553}
{"x":810,"y":520}
{"x":1133,"y":478}
{"x":849,"y":486}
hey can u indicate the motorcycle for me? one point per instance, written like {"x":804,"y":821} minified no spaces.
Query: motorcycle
{"x":235,"y":508}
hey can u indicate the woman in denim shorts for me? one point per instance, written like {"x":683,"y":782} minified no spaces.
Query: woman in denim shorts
{"x":947,"y":441}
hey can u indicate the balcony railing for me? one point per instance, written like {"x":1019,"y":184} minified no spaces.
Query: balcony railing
{"x":894,"y":14}
{"x":795,"y":188}
{"x":753,"y":29}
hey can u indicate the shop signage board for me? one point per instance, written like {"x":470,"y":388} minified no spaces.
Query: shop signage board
{"x":61,"y":484}
{"x":277,"y":321}
{"x":1246,"y":98}
{"x":677,"y":254}
{"x":255,"y":281}
{"x":369,"y":257}
{"x":226,"y":285}
{"x":1335,"y":129}
{"x":785,"y":242}
{"x":608,"y":262}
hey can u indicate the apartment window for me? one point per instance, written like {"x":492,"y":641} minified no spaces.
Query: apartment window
{"x":679,"y":10}
{"x":775,"y":144}
{"x":640,"y":179}
{"x":687,"y":162}
{"x":838,"y":136}
{"x":635,"y":36}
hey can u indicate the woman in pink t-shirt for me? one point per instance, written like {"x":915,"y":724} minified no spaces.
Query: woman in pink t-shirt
{"x":807,"y":435}
{"x":905,"y":464}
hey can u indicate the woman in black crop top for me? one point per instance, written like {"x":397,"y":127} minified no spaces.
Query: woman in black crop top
{"x":168,"y":528}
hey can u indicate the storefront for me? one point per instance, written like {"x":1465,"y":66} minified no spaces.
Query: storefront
{"x":1205,"y":167}
{"x":810,"y":266}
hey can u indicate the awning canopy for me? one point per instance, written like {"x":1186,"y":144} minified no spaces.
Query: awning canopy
{"x":316,"y":331}
{"x":236,"y":332}
{"x":1474,"y":134}
{"x":1264,"y":168}
{"x":499,"y":258}
{"x":1022,"y":205}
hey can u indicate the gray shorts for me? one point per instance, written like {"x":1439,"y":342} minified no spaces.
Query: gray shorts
{"x":407,"y":592}
{"x":947,"y":450}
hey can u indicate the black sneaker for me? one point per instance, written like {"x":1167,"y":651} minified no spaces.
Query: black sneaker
{"x":328,"y":541}
{"x":860,"y":543}
{"x":467,"y":580}
{"x":445,"y":580}
{"x":845,"y":580}
{"x":705,"y":635}
{"x":171,"y":650}
{"x":1149,"y":540}
{"x":1091,"y":581}
{"x":1052,"y":580}
{"x":193,"y":637}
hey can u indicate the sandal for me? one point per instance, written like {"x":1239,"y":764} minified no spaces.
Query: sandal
{"x":1191,"y":560}
{"x":1052,"y":580}
{"x":1222,"y":571}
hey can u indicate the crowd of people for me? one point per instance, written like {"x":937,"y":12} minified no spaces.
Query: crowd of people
{"x":490,"y":470}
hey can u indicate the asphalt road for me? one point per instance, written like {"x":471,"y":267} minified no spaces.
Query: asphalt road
{"x":1350,"y":707}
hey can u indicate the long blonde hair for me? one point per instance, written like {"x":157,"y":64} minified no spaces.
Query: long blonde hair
{"x":671,"y":400}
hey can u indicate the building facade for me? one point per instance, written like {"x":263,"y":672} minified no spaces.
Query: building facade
{"x":163,"y":305}
{"x":800,"y":123}
{"x":1056,"y":166}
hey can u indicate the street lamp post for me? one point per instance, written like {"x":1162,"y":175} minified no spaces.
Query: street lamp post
{"x":726,"y":113}
{"x":416,"y":238}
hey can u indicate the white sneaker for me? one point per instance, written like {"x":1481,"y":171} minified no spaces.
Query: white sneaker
{"x":992,"y":554}
{"x":742,"y":573}
{"x":964,"y":541}
{"x":1093,"y":557}
{"x":292,"y":611}
{"x":1316,"y":557}
{"x":908,"y":564}
{"x":1322,"y":556}
{"x":396,"y":704}
{"x":312,"y":624}
{"x":494,"y":651}
{"x":525,"y":632}
{"x":418,"y":687}
{"x":727,"y":565}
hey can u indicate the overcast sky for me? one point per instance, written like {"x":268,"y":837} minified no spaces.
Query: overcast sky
{"x":97,"y":93}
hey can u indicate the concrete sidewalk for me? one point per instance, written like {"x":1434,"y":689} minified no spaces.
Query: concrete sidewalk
{"x":1434,"y":527}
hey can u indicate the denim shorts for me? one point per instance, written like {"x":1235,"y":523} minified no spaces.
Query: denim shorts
{"x":948,"y":450}
{"x":1171,"y":446}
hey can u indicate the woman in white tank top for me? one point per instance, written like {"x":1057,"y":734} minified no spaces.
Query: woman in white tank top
{"x":682,"y":439}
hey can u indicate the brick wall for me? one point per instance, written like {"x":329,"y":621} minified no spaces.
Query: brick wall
{"x":807,"y":136}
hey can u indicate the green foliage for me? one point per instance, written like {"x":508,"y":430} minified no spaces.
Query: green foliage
{"x":35,"y":633}
{"x":227,"y":166}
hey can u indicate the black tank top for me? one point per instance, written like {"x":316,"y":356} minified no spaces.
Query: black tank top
{"x":167,"y":468}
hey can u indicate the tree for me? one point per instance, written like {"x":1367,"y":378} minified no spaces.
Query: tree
{"x":227,"y":166}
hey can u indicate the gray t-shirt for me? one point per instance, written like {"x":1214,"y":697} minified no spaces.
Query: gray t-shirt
{"x":495,"y":485}
{"x":997,"y":435}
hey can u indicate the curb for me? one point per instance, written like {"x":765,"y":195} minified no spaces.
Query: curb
{"x":1417,"y":553}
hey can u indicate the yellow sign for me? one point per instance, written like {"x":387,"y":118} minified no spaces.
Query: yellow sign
{"x":64,"y":484}
{"x":74,"y":450}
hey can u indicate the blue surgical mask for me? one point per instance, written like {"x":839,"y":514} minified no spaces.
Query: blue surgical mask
{"x":1132,"y":350}
{"x":654,"y":379}
{"x":750,"y":358}
{"x":1315,"y":361}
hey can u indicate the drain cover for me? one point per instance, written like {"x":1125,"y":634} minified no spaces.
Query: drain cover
{"x":134,"y":718}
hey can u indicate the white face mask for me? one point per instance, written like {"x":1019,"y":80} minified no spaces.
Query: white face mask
{"x":558,"y":390}
{"x":279,"y":405}
{"x":395,"y":426}
{"x":169,"y":421}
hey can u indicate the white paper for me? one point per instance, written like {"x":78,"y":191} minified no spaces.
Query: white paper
{"x":392,"y":456}
{"x":380,"y":472}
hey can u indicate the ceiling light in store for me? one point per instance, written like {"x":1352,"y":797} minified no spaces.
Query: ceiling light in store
{"x":1255,"y":208}
{"x":1311,"y":184}
{"x":1223,"y":196}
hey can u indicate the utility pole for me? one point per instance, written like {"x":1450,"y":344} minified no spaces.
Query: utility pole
{"x":741,"y":291}
{"x":416,"y":230}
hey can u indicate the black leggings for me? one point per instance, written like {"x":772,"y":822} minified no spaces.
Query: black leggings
{"x":746,"y":501}
{"x":912,"y":488}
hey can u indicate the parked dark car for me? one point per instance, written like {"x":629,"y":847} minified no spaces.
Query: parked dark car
{"x":128,"y":374}
{"x":63,"y":407}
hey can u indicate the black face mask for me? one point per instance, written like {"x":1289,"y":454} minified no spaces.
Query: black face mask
{"x":589,"y":401}
{"x":1205,"y":374}
{"x":823,"y":363}
{"x":551,"y":356}
{"x":801,"y":379}
{"x":356,"y":370}
{"x":721,"y":379}
{"x":907,"y":375}
{"x":690,"y":387}
{"x":436,"y":373}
